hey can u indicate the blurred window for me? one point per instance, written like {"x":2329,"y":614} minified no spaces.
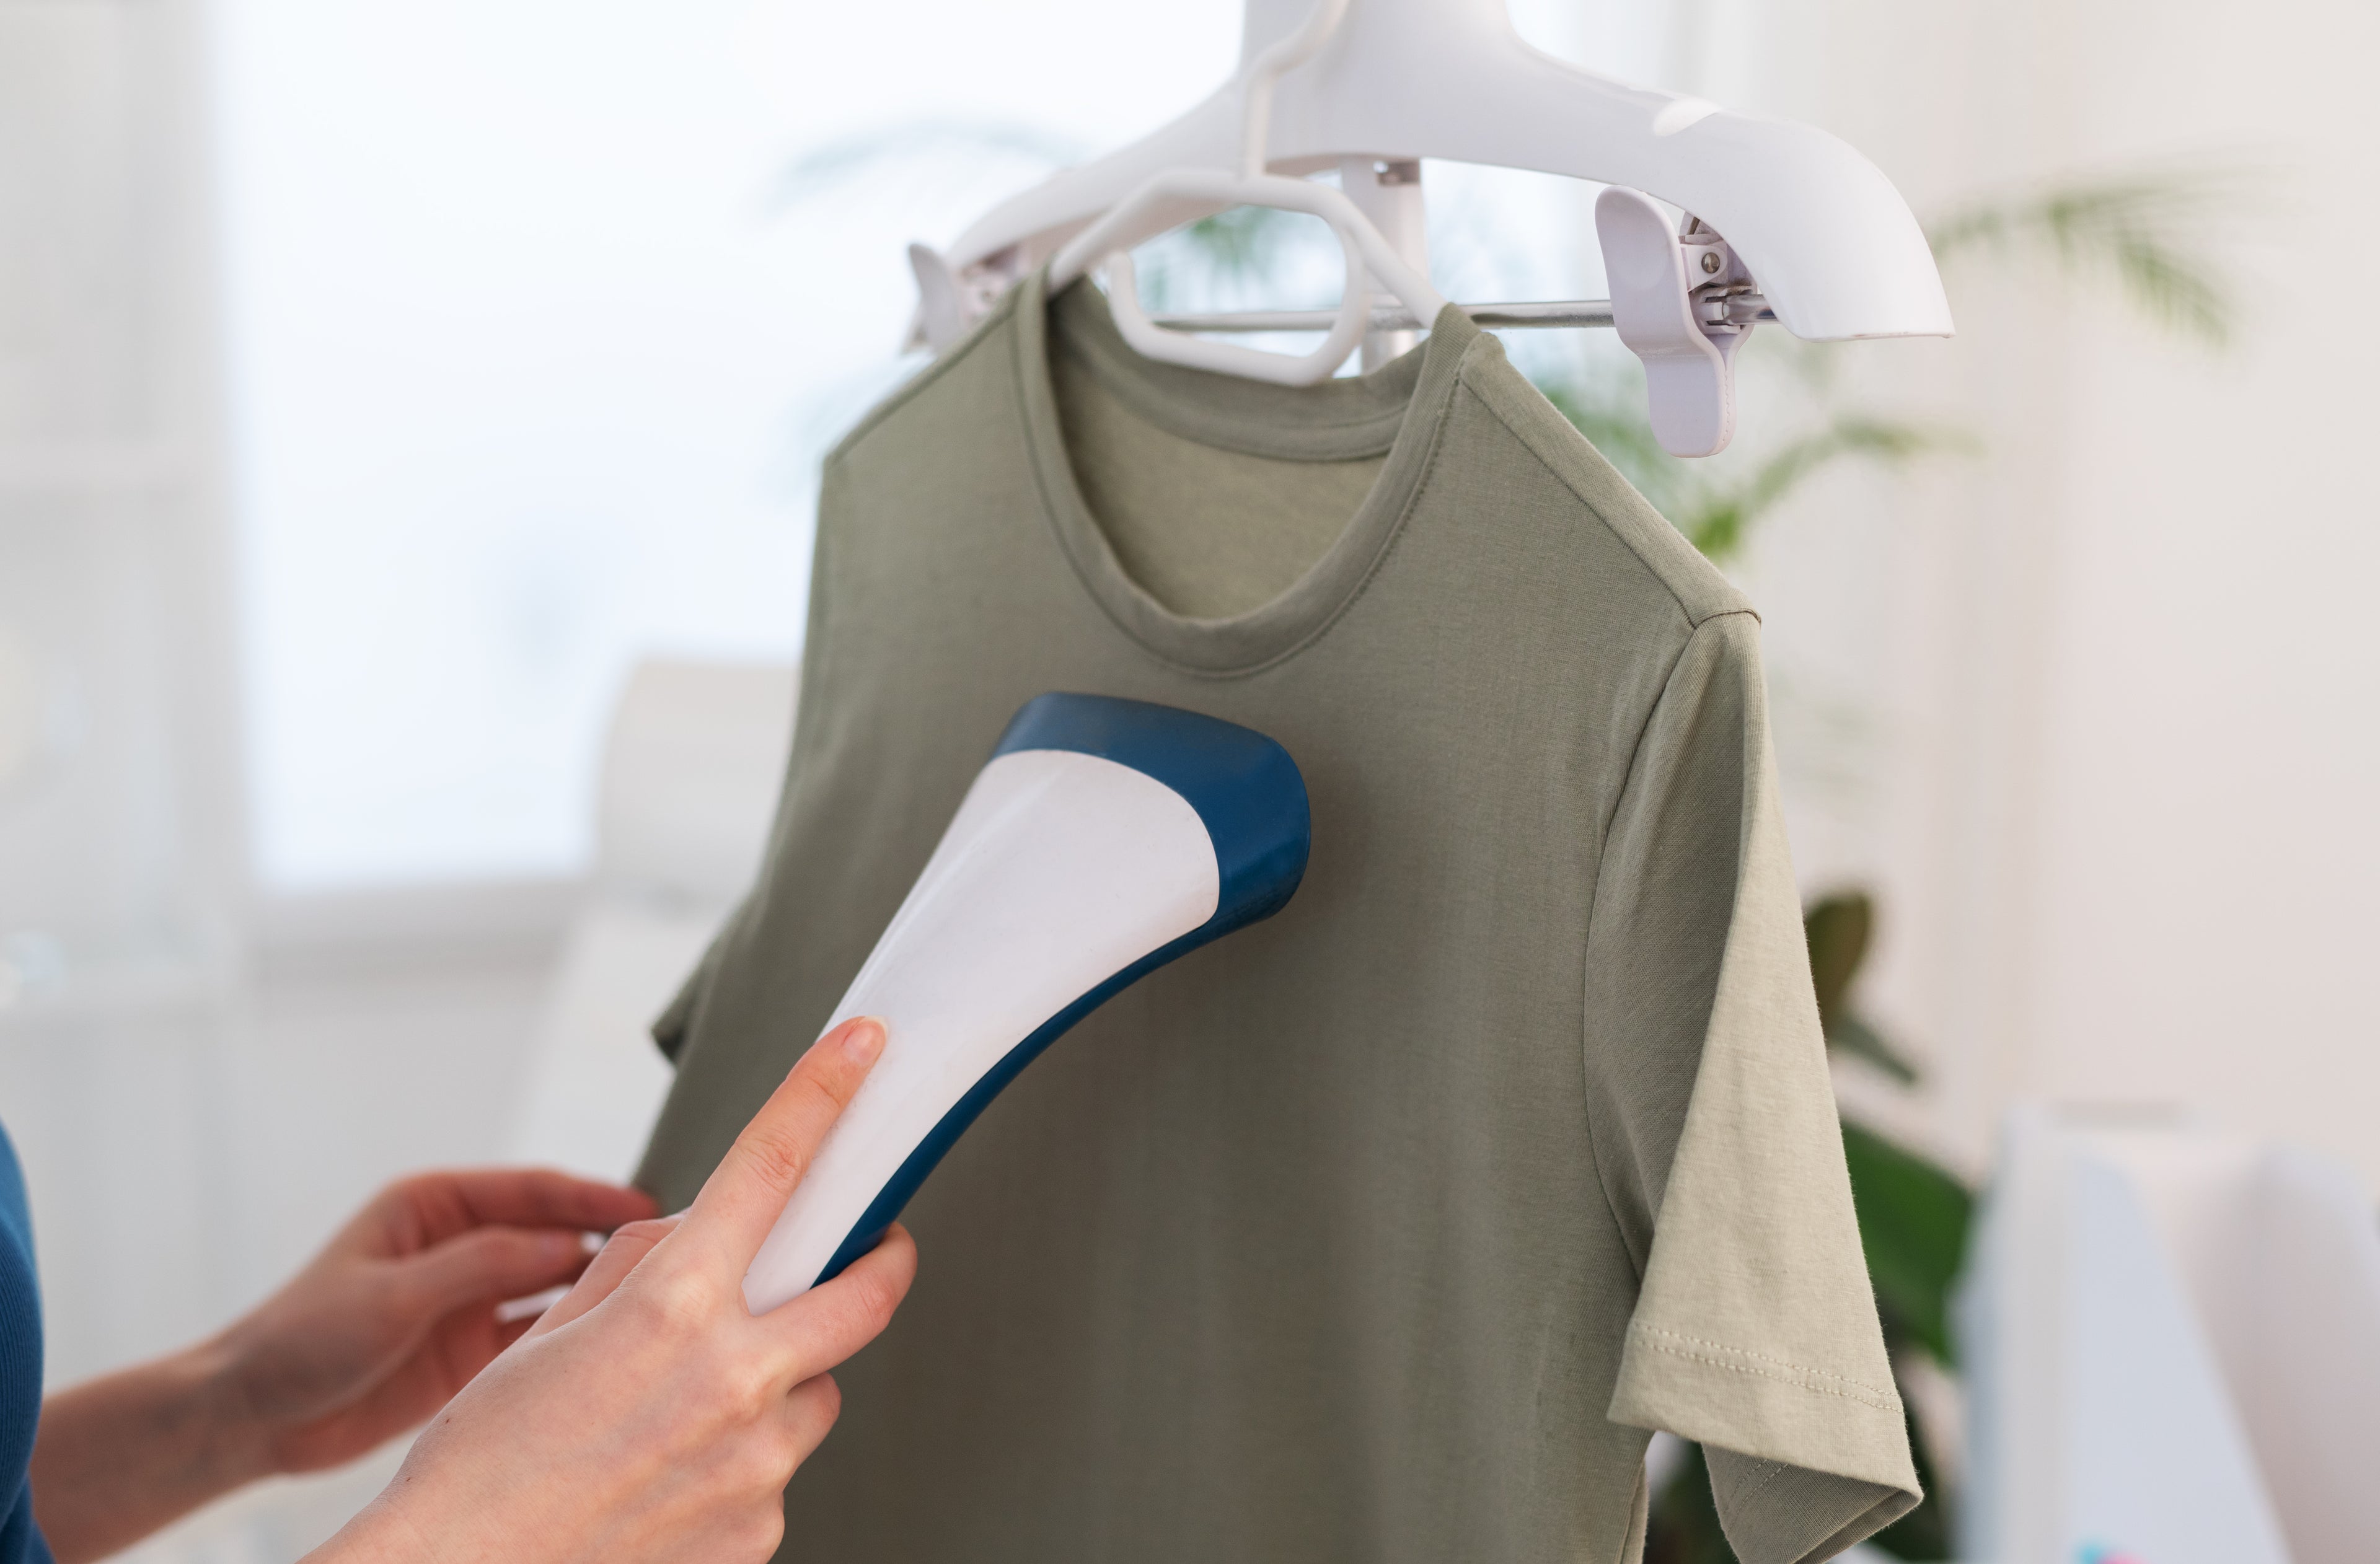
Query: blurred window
{"x":534,"y":351}
{"x":540,"y":314}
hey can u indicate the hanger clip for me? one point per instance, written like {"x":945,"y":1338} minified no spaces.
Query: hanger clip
{"x":1670,"y":292}
{"x":950,"y":302}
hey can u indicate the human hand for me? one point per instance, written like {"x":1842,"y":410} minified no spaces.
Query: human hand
{"x":398,"y":1311}
{"x":650,"y":1415}
{"x":393,"y":1316}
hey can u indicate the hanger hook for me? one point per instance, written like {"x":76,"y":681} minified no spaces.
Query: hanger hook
{"x":1256,"y":90}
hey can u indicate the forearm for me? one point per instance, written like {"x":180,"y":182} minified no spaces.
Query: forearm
{"x":119,"y":1457}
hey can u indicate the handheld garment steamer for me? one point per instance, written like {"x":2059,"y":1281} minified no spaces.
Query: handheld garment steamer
{"x":1103,"y":839}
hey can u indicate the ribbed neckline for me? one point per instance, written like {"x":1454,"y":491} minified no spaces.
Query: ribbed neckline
{"x":1398,"y":410}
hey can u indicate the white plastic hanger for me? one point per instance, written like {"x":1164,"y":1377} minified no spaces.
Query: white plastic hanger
{"x":1366,"y":248}
{"x":1817,"y":230}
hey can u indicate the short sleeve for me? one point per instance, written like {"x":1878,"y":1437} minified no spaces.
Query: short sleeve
{"x":670,"y":1027}
{"x":1754,"y":1331}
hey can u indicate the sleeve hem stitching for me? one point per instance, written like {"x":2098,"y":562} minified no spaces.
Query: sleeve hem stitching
{"x":1739,"y":1360}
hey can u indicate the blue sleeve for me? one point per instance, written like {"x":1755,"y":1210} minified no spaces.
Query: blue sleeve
{"x":20,"y":1366}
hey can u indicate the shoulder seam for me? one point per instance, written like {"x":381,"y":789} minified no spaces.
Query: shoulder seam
{"x":1644,"y":726}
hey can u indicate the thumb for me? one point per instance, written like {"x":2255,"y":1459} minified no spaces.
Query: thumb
{"x":488,"y":1264}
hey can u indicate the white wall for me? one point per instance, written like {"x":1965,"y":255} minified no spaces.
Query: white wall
{"x":2120,"y":782}
{"x":119,"y":839}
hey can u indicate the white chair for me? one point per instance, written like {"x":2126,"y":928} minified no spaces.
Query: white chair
{"x":690,"y":775}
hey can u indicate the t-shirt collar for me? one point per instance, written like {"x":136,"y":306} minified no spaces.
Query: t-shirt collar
{"x":1399,"y":409}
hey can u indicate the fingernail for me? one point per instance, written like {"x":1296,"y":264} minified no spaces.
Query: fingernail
{"x":863,"y":1040}
{"x":554,"y":1245}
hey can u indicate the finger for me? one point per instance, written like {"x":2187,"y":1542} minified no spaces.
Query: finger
{"x":812,"y":1407}
{"x":603,"y":1275}
{"x":428,"y":1207}
{"x":743,"y":1196}
{"x":818,"y":1329}
{"x":489,"y":1264}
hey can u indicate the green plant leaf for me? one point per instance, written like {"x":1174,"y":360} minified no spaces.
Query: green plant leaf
{"x":1682,"y":1527}
{"x":1847,"y":1034}
{"x":1717,"y":508}
{"x":2144,"y":228}
{"x":1913,"y":1223}
{"x":1719,"y":524}
{"x":1239,"y":242}
{"x":1838,"y":928}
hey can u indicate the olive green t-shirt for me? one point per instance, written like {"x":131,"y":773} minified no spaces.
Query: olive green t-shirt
{"x":1382,"y":1230}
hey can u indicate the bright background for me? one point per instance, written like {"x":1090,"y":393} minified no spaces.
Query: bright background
{"x":378,"y":382}
{"x":534,"y":350}
{"x":535,"y":336}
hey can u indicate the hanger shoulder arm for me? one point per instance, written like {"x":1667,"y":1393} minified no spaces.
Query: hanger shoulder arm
{"x":1036,"y":222}
{"x":1828,"y":238}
